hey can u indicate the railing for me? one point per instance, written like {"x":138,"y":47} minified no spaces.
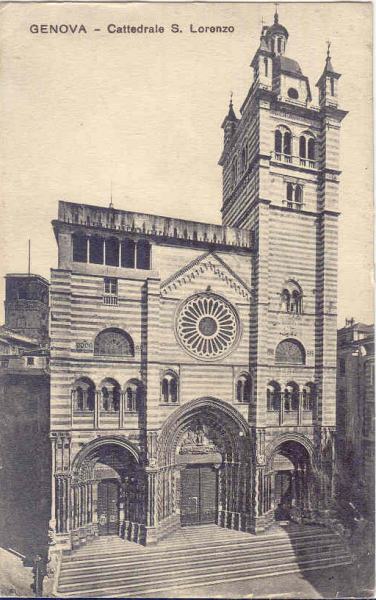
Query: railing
{"x":293,"y":205}
{"x":307,"y":163}
{"x":297,"y":399}
{"x":110,"y":300}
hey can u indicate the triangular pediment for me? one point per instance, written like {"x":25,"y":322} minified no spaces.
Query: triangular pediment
{"x":202,"y":266}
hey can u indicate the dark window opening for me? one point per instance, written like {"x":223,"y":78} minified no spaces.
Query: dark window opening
{"x":112,"y":252}
{"x":293,"y":93}
{"x":287,"y":143}
{"x":286,"y":300}
{"x":243,"y":390}
{"x":143,"y":255}
{"x":30,"y":361}
{"x":298,"y":194}
{"x":173,"y":390}
{"x":96,"y":250}
{"x":290,"y":191}
{"x":311,"y":149}
{"x":111,"y":397}
{"x":273,"y":397}
{"x":169,"y":389}
{"x":278,"y":142}
{"x":165,"y":387}
{"x":127,"y":254}
{"x":79,"y":248}
{"x":302,"y":146}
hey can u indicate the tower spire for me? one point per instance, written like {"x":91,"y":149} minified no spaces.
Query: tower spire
{"x":276,"y":17}
{"x":328,"y":61}
{"x":231,"y":114}
{"x":111,"y":203}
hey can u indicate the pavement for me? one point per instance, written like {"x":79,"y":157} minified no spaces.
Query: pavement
{"x":15,"y":579}
{"x":326,"y":584}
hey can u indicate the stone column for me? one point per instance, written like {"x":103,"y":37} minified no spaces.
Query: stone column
{"x":97,"y":409}
{"x":94,"y":503}
{"x":120,"y":251}
{"x":122,"y":509}
{"x":122,"y":408}
{"x":151,"y":505}
{"x":52,"y":523}
{"x":65,"y":503}
{"x":300,"y":408}
{"x":281,"y":408}
{"x":61,"y":503}
{"x":73,"y":404}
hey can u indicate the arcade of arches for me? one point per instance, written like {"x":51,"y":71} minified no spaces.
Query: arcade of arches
{"x":202,"y":467}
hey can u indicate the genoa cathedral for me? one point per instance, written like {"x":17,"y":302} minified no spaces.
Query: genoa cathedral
{"x":193,"y":365}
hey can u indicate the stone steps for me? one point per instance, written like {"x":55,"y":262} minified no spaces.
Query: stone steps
{"x":114,"y":568}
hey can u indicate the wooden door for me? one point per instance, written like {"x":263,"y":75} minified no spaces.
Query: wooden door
{"x":283,"y":489}
{"x":198,"y":495}
{"x":108,"y":507}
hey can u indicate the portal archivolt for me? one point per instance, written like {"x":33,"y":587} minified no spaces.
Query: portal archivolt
{"x":205,"y":462}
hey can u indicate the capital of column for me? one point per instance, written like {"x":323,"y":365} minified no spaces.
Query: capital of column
{"x":151,"y":467}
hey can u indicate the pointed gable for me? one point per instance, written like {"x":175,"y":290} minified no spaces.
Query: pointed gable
{"x":205,"y":267}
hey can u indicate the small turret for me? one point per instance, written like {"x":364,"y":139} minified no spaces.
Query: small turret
{"x":262,"y":62}
{"x":328,"y":83}
{"x":230,"y":123}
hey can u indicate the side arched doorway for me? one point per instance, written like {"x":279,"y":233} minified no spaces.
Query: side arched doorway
{"x":205,"y":467}
{"x":290,"y":471}
{"x":107,"y":492}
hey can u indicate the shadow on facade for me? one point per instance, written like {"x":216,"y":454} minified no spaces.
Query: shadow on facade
{"x":25,"y":465}
{"x":354,"y":580}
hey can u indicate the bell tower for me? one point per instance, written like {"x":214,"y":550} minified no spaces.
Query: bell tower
{"x":281,"y":179}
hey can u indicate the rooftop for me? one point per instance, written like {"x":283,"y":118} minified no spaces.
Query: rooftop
{"x":156,"y":226}
{"x":27,"y":276}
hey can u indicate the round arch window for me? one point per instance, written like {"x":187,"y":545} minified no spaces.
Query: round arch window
{"x":293,"y":93}
{"x":207,"y":326}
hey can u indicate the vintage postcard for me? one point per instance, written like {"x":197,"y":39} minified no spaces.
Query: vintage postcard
{"x":187,"y":343}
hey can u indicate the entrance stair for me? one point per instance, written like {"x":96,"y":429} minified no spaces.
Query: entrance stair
{"x":194,"y":557}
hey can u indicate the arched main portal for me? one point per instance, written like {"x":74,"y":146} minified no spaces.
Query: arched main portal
{"x":107,"y":492}
{"x":205,"y":466}
{"x":290,"y":471}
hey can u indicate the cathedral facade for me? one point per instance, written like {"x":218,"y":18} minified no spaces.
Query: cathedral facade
{"x":193,"y":366}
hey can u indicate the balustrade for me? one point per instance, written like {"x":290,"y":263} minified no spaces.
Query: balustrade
{"x":298,"y":161}
{"x":291,"y":407}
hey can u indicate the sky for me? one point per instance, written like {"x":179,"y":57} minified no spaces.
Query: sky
{"x":81,"y":113}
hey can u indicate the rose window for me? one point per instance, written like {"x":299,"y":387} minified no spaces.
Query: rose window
{"x":207,"y":326}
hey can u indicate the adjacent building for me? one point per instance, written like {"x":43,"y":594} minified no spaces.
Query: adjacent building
{"x":356,"y":415}
{"x":193,"y":365}
{"x":25,"y":450}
